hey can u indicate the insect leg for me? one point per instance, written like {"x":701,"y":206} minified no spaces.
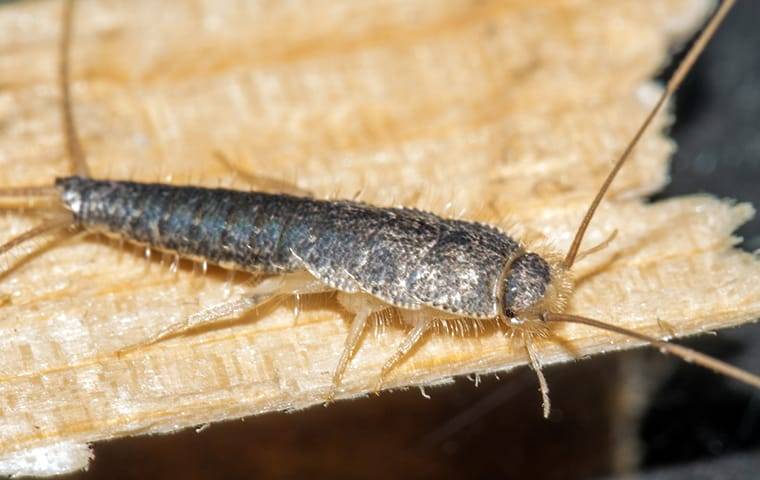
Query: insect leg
{"x":265,"y":291}
{"x":412,"y":338}
{"x":349,"y":348}
{"x":206,"y":316}
{"x":535,"y":364}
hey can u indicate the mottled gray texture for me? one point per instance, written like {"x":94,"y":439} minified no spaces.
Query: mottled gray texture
{"x":405,"y":257}
{"x":527,"y":282}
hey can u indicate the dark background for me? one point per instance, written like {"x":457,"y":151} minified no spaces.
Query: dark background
{"x":694,"y":425}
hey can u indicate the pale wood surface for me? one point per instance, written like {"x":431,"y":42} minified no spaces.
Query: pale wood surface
{"x":504,"y":112}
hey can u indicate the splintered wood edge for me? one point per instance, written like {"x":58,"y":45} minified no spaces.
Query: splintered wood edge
{"x":279,"y":362}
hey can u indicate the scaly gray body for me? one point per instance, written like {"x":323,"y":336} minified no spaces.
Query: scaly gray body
{"x":405,"y":257}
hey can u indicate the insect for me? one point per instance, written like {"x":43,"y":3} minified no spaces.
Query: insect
{"x":426,"y":268}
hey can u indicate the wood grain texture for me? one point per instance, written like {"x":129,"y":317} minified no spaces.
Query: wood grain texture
{"x":504,"y":112}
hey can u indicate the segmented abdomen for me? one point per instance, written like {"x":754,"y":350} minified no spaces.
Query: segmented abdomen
{"x":405,"y":257}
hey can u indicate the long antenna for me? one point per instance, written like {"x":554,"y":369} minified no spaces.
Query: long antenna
{"x":687,"y":354}
{"x":73,"y":145}
{"x":675,"y":81}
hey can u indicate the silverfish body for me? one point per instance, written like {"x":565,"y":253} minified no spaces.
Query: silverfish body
{"x":405,"y":257}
